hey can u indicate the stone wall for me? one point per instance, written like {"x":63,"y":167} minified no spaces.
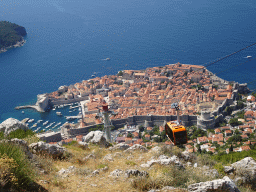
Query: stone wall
{"x":61,"y":102}
{"x":50,"y":137}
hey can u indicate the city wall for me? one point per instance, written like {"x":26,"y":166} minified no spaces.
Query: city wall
{"x":68,"y":101}
{"x":151,"y":120}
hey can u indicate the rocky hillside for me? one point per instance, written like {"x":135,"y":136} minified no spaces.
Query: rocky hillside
{"x":95,"y":165}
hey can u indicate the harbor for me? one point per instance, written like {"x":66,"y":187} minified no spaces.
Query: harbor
{"x":51,"y":120}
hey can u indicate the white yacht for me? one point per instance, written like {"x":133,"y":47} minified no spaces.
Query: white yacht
{"x":31,"y":120}
{"x":59,"y":113}
{"x":45,"y":123}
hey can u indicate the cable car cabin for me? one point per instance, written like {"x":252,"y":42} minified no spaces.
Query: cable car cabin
{"x":176,"y":133}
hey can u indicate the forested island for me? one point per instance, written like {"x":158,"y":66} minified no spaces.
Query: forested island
{"x":11,"y":35}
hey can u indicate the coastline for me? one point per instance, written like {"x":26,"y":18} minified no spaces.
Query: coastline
{"x":18,"y":44}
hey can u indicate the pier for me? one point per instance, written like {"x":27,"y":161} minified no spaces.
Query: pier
{"x":36,"y":107}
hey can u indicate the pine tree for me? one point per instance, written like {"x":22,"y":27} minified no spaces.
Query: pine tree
{"x":231,"y":148}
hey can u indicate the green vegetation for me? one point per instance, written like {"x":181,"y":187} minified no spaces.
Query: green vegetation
{"x":98,"y":127}
{"x":10,"y":33}
{"x":20,"y":134}
{"x":234,"y":156}
{"x":228,"y":110}
{"x":16,"y":170}
{"x":240,"y":114}
{"x":132,"y":163}
{"x":120,"y":73}
{"x":234,"y":122}
{"x":240,"y":104}
{"x":194,"y":132}
{"x":129,"y":135}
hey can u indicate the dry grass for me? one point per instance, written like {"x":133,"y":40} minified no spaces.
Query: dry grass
{"x":82,"y":180}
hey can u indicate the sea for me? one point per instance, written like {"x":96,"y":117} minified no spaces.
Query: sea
{"x":68,"y":40}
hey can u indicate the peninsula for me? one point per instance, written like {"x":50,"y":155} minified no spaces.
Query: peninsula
{"x":11,"y":35}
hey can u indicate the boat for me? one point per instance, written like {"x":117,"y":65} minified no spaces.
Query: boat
{"x":39,"y":121}
{"x":31,"y":120}
{"x":59,"y":113}
{"x":22,"y":112}
{"x":248,"y":57}
{"x":107,"y":59}
{"x":35,"y":125}
{"x":49,"y":125}
{"x":93,"y":76}
{"x":45,"y":123}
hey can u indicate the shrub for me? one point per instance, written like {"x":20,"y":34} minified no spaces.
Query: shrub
{"x":219,"y":167}
{"x":234,"y":122}
{"x":169,"y":176}
{"x":102,"y":165}
{"x":7,"y":165}
{"x":130,"y":163}
{"x":20,"y":134}
{"x":234,"y":156}
{"x":1,"y":135}
{"x":23,"y":173}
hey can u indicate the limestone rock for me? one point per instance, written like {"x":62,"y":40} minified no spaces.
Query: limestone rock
{"x":108,"y":157}
{"x":164,"y":160}
{"x":228,"y":169}
{"x":168,"y":188}
{"x":19,"y":142}
{"x":119,"y":146}
{"x":246,"y":168}
{"x":52,"y":149}
{"x":156,"y":149}
{"x":225,"y":184}
{"x":211,"y":173}
{"x":240,"y":180}
{"x":96,"y":172}
{"x":64,"y":172}
{"x":135,"y":173}
{"x":186,"y":155}
{"x":118,"y":154}
{"x":95,"y":137}
{"x":116,"y":173}
{"x":12,"y":124}
{"x":90,"y":156}
{"x":136,"y":147}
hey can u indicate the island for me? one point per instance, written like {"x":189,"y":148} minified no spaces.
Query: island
{"x":11,"y":35}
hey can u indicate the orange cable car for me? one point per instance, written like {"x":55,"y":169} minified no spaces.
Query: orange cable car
{"x":176,"y":133}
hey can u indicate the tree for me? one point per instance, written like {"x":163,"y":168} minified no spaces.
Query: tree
{"x":199,"y":148}
{"x":141,"y":128}
{"x":231,"y":148}
{"x":234,"y":122}
{"x":129,"y":135}
{"x":235,"y":138}
{"x":120,"y":73}
{"x":240,"y":105}
{"x":229,"y":110}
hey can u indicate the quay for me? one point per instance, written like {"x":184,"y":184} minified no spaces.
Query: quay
{"x":29,"y":106}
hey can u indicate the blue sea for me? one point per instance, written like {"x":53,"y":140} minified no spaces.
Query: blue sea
{"x":68,"y":39}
